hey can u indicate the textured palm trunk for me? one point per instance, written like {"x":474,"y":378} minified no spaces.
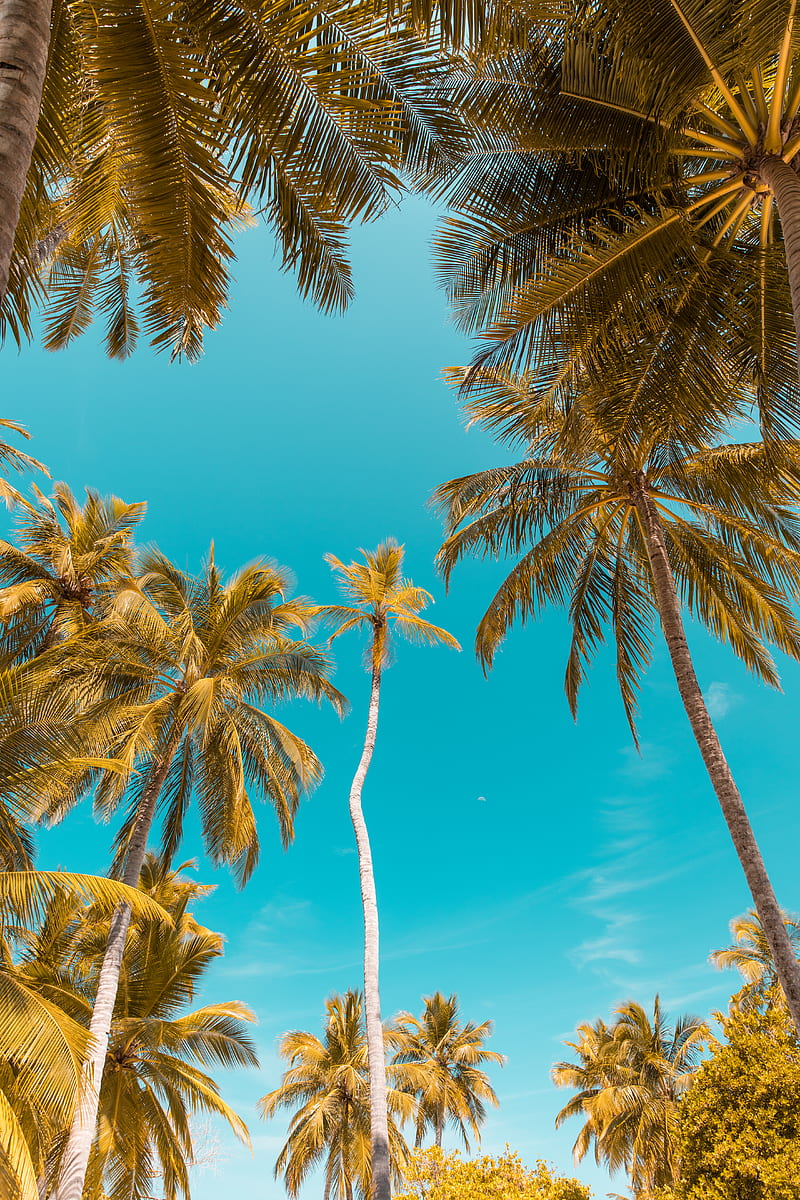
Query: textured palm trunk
{"x":376,"y":1055}
{"x":72,"y":1172}
{"x":785,"y":187}
{"x":24,"y":43}
{"x":786,"y":964}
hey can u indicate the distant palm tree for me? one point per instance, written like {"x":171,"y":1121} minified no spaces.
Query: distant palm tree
{"x":327,"y":1085}
{"x":623,"y":513}
{"x":178,"y":670}
{"x":384,"y":600}
{"x":752,"y":958}
{"x":629,"y":1078}
{"x":438,"y":1059}
{"x":64,"y":573}
{"x":152,"y":1082}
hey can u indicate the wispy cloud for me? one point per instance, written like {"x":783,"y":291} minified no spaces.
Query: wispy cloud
{"x":720,"y":699}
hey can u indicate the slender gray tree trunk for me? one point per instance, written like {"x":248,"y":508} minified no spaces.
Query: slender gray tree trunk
{"x":769,"y":913}
{"x":24,"y":43}
{"x":376,"y":1054}
{"x":72,"y":1172}
{"x":785,"y":186}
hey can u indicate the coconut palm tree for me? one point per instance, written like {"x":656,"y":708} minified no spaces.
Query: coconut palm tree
{"x":752,"y":958}
{"x":382,"y":601}
{"x":64,"y":573}
{"x":146,"y":136}
{"x":623,"y":514}
{"x":629,"y":1078}
{"x":328,"y":1087}
{"x":438,"y":1059}
{"x":152,"y":1081}
{"x":42,"y":1047}
{"x":635,"y":166}
{"x":179,"y":669}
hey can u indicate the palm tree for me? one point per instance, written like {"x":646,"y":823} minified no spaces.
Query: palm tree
{"x":328,"y":1086}
{"x":752,"y":958}
{"x":152,"y":1080}
{"x":438,"y":1059}
{"x":622,"y":514}
{"x":70,"y":561}
{"x":42,"y":1046}
{"x":178,"y":670}
{"x":628,"y":173}
{"x":383,"y":600}
{"x":146,"y":137}
{"x":629,"y":1078}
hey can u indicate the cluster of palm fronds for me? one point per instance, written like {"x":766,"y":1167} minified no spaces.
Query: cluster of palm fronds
{"x":435,"y":1078}
{"x":629,"y":1076}
{"x":154,"y":1085}
{"x":128,"y":681}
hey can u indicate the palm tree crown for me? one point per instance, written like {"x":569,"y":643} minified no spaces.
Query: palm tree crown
{"x":628,"y":1079}
{"x":568,"y":512}
{"x":180,"y":668}
{"x":327,"y":1086}
{"x":383,"y":601}
{"x":439,"y":1058}
{"x":71,"y":559}
{"x":625,"y":181}
{"x":752,"y":957}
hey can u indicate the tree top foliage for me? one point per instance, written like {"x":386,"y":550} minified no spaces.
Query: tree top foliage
{"x":434,"y":1174}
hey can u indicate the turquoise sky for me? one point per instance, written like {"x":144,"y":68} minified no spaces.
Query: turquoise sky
{"x":542,"y":870}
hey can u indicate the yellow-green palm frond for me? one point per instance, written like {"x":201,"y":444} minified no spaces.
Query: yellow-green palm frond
{"x":383,"y":601}
{"x":566,"y":516}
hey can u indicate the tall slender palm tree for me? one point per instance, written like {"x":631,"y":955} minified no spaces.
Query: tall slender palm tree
{"x":64,"y":573}
{"x":328,"y":1087}
{"x":179,"y":667}
{"x":629,"y":1078}
{"x":622,"y":515}
{"x":635,"y":165}
{"x":382,"y":601}
{"x":752,"y":957}
{"x":438,"y":1058}
{"x":145,"y":135}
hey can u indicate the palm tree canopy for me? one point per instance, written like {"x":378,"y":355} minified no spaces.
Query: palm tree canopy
{"x":182,"y":671}
{"x":327,"y":1086}
{"x":12,"y":459}
{"x":382,"y":601}
{"x":69,"y":562}
{"x":628,"y":1079}
{"x":566,"y":512}
{"x":751,"y":956}
{"x":438,"y":1058}
{"x":42,"y":1044}
{"x":154,"y":1081}
{"x":164,"y":127}
{"x":621,"y":183}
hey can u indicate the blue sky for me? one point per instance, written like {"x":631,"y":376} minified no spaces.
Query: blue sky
{"x":541,"y":869}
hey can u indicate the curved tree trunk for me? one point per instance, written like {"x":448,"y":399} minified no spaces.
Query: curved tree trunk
{"x":785,"y":187}
{"x":72,"y":1172}
{"x":786,"y":964}
{"x":376,"y":1054}
{"x":24,"y":43}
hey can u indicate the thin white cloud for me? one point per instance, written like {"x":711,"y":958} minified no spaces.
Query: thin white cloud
{"x":719,"y":700}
